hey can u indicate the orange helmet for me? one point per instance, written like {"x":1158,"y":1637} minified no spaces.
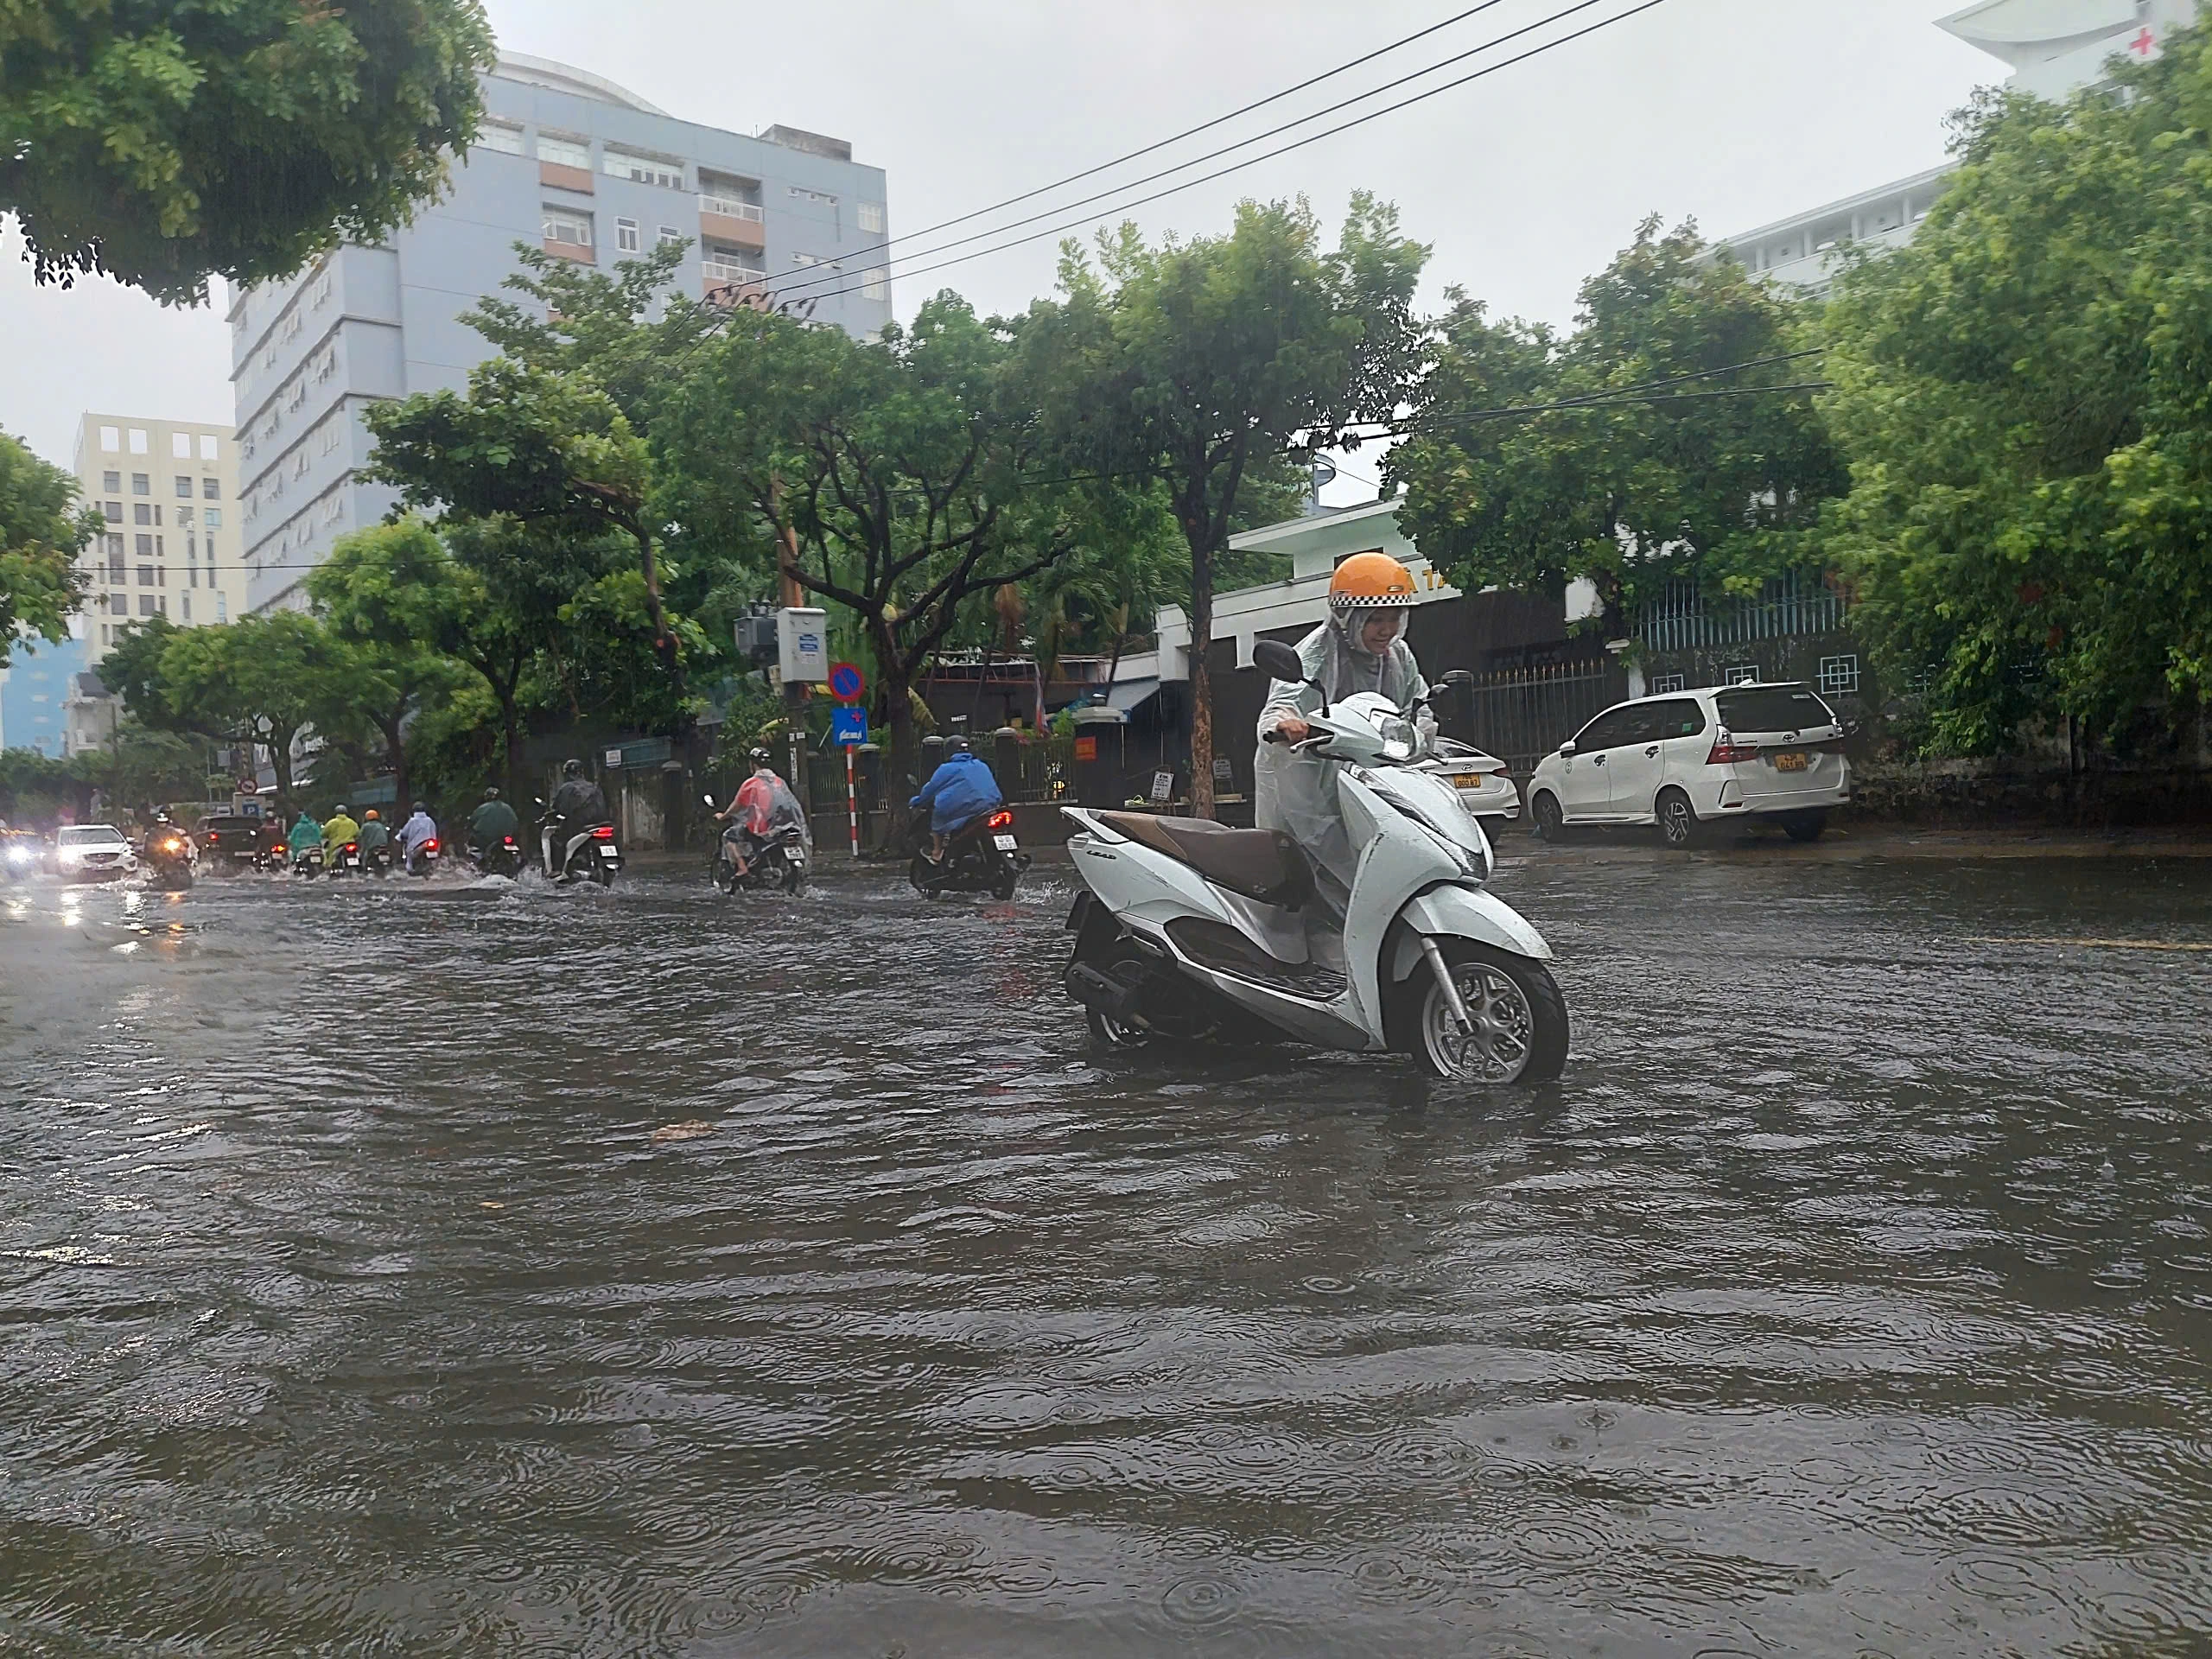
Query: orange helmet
{"x":1371,"y":582}
{"x":369,"y":815}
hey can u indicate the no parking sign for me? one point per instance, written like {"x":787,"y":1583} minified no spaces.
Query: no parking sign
{"x":847,"y":681}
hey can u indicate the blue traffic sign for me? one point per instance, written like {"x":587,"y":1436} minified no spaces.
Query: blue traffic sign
{"x":847,"y":681}
{"x":849,"y":726}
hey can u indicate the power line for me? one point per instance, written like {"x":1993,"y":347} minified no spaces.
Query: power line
{"x":1301,"y":144}
{"x":794,"y":284}
{"x":1177,"y":138}
{"x":1617,"y":394}
{"x":1426,"y":424}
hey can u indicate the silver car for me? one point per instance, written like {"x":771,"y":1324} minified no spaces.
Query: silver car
{"x":1486,"y":789}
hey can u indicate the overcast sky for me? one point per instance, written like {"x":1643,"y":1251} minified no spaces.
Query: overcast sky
{"x":1735,"y":112}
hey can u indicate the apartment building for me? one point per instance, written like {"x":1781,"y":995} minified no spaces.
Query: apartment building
{"x":568,"y":162}
{"x":170,"y":545}
{"x":167,"y":494}
{"x":2053,"y":47}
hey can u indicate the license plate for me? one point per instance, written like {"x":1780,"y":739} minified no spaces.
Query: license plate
{"x":608,"y":852}
{"x":1791,"y":762}
{"x":1467,"y":780}
{"x":1005,"y":843}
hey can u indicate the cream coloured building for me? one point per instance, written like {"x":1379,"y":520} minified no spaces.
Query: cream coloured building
{"x":2053,"y":48}
{"x":167,"y":493}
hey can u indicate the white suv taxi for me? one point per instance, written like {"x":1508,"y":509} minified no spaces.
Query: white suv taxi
{"x":1691,"y":758}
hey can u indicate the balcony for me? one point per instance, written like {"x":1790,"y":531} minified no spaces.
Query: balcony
{"x":564,"y":177}
{"x":731,"y":285}
{"x":725,"y":218}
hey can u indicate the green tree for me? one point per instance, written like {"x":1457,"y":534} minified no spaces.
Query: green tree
{"x":166,"y":143}
{"x":1711,"y":482}
{"x":547,"y":447}
{"x":896,"y":479}
{"x":261,"y":680}
{"x":2026,"y":393}
{"x":41,"y":532}
{"x":1204,"y":364}
{"x":395,"y":601}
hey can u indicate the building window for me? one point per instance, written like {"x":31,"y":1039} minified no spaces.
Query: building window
{"x":868,"y":215}
{"x":1743,"y":674}
{"x":145,"y":576}
{"x":111,"y":439}
{"x":500,"y":136}
{"x":222,"y":608}
{"x":187,"y":603}
{"x":563,"y":152}
{"x":210,"y":490}
{"x":160,"y":604}
{"x":184,"y":517}
{"x":561,"y":225}
{"x":212,"y":517}
{"x":800,"y":194}
{"x":644,"y":169}
{"x":141,"y":513}
{"x":111,"y":482}
{"x":668,"y":233}
{"x":141,"y":484}
{"x":184,"y":489}
{"x":180,"y":446}
{"x":1663,"y":684}
{"x":1840,"y":676}
{"x":876,"y":284}
{"x":144,"y":546}
{"x":145,"y":605}
{"x":625,"y":235}
{"x":112,"y":511}
{"x":208,"y":451}
{"x":137,"y":441}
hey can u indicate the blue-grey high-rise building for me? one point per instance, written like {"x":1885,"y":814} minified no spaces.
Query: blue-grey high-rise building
{"x":567,"y":163}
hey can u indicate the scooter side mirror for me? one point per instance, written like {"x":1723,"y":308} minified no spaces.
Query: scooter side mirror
{"x":708,"y":799}
{"x":1281,"y":661}
{"x":1460,"y":680}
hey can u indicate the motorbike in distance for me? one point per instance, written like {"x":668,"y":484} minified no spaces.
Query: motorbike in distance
{"x":307,"y":861}
{"x":781,"y":863}
{"x":422,"y":860}
{"x":345,"y":860}
{"x":584,"y":853}
{"x":982,"y":855}
{"x":502,"y":857}
{"x":1187,"y":929}
{"x":167,"y":858}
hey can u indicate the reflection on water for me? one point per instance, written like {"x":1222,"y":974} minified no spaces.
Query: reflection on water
{"x":442,"y":1271}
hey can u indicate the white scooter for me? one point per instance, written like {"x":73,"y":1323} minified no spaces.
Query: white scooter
{"x":1189,"y":930}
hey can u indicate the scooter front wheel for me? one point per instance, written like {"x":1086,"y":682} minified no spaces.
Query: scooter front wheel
{"x":1519,"y":1019}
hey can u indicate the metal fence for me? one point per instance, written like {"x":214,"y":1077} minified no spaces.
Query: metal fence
{"x":1682,"y":619}
{"x":1522,"y":715}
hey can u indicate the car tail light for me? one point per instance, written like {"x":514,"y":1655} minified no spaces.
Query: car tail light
{"x":603,"y":832}
{"x":215,"y":839}
{"x":1727,"y":752}
{"x":1000,"y":819}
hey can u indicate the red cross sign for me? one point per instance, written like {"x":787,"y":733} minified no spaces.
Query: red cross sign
{"x":2144,"y":44}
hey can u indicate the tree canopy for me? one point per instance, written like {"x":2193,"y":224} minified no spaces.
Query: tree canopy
{"x":1203,"y":365}
{"x":2026,"y":395}
{"x":1706,"y":482}
{"x":164,"y":144}
{"x":41,"y":532}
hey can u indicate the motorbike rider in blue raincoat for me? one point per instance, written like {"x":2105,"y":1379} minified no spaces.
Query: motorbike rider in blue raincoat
{"x":958,"y":792}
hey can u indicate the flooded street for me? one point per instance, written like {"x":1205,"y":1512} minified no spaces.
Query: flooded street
{"x":406,"y":1269}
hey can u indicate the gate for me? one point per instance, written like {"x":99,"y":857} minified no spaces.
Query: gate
{"x":1522,"y":714}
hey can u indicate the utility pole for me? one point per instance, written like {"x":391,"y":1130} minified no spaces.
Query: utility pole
{"x":791,"y":596}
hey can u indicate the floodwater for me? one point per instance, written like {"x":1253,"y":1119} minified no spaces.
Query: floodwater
{"x":426,"y":1270}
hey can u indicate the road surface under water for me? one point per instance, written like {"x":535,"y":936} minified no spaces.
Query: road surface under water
{"x":420,"y":1271}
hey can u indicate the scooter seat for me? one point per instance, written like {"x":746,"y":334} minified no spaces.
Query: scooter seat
{"x":1262,"y":864}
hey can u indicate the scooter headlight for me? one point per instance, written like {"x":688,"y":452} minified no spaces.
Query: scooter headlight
{"x":1400,"y":740}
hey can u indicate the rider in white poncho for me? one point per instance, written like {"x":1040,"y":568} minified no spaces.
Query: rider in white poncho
{"x":1362,"y":647}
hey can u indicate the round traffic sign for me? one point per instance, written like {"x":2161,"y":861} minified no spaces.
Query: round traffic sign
{"x":847,"y":681}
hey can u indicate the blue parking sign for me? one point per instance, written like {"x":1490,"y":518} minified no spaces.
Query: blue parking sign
{"x":849,"y":726}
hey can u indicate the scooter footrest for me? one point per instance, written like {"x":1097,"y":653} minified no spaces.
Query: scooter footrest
{"x":1227,"y":952}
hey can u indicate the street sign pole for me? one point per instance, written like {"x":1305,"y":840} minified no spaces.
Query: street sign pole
{"x":852,"y":802}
